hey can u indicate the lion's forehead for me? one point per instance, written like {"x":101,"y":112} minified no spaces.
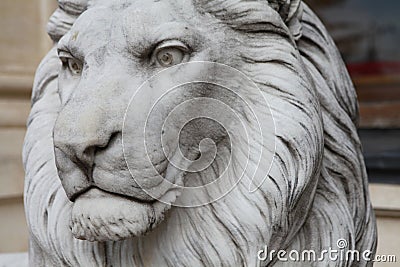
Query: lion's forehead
{"x":121,"y":24}
{"x":139,"y":15}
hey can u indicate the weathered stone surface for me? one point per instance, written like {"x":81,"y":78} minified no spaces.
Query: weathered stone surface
{"x":100,"y":189}
{"x":14,"y":259}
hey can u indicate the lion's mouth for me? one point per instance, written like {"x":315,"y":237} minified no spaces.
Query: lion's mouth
{"x":102,"y":214}
{"x":123,"y":204}
{"x":96,"y":192}
{"x":140,"y":186}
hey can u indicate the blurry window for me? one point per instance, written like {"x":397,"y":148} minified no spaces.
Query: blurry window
{"x":367,"y":33}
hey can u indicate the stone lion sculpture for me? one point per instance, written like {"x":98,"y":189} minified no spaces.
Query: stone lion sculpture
{"x":85,"y":207}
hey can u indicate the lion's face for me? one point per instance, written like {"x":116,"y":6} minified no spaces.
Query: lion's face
{"x":94,"y":118}
{"x":111,"y":50}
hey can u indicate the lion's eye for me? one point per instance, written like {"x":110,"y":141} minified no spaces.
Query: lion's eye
{"x":171,"y":53}
{"x":74,"y":65}
{"x":169,"y":56}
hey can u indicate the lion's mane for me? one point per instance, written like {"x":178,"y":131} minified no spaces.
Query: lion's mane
{"x":300,"y":215}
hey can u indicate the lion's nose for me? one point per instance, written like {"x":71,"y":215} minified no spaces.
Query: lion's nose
{"x":76,"y":142}
{"x":81,"y":152}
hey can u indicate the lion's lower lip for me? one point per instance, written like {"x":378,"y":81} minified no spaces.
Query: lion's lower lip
{"x":98,"y":215}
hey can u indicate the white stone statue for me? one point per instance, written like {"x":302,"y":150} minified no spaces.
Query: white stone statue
{"x":193,"y":133}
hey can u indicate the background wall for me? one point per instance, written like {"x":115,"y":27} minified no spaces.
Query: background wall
{"x":23,"y":42}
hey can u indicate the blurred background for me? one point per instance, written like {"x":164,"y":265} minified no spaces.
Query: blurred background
{"x":367,"y":33}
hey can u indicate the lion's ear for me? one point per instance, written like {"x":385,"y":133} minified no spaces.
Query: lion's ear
{"x":291,"y":12}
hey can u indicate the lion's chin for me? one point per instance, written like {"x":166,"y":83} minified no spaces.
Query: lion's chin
{"x":101,"y":216}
